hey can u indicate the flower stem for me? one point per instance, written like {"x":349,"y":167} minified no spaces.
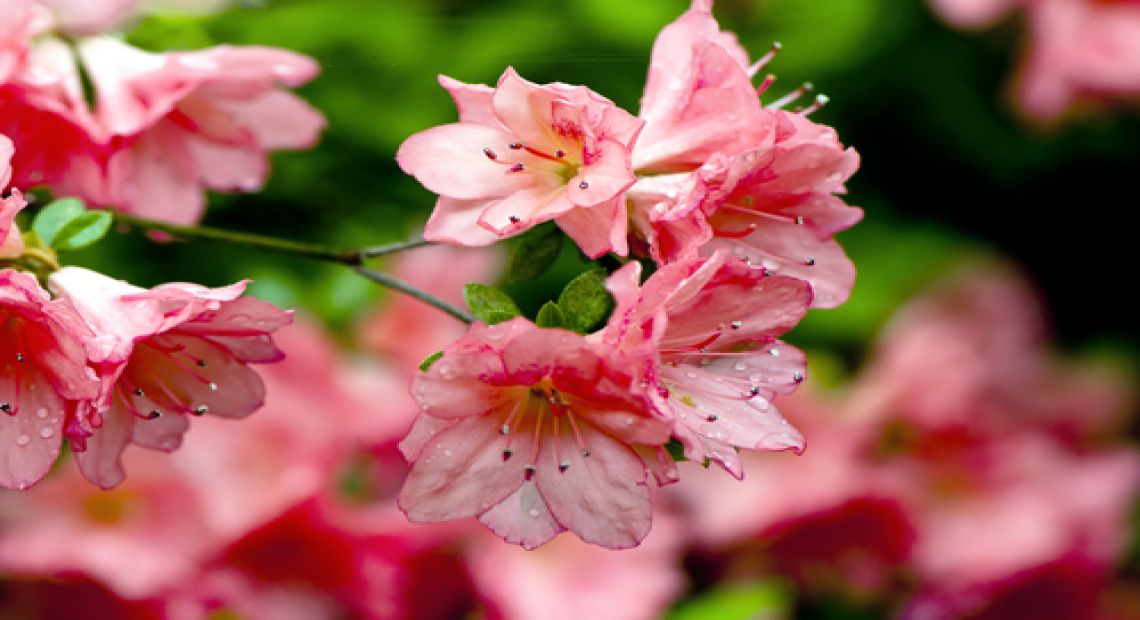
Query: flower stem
{"x":388,"y":281}
{"x":352,"y":258}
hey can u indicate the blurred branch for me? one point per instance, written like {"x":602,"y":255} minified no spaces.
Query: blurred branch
{"x":388,"y":281}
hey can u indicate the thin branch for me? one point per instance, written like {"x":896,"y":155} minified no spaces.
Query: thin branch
{"x":388,"y":281}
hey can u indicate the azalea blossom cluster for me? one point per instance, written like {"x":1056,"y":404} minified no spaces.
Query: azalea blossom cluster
{"x":105,"y":364}
{"x":161,"y":127}
{"x":535,"y":429}
{"x":84,"y":357}
{"x":1076,"y":50}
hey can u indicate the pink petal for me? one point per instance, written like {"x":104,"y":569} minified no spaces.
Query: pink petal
{"x":449,"y":160}
{"x":277,"y":119}
{"x":525,"y":108}
{"x":162,"y":433}
{"x":473,"y":101}
{"x":457,"y":221}
{"x":792,"y":250}
{"x":460,"y":473}
{"x":603,"y":497}
{"x":525,"y":208}
{"x":522,"y":518}
{"x":32,"y":433}
{"x":597,"y":230}
{"x":101,"y":462}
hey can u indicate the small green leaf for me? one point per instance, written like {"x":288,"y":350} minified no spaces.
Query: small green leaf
{"x":83,"y":231}
{"x":737,"y":601}
{"x":535,"y":253}
{"x":429,"y":360}
{"x":676,"y":450}
{"x":52,"y":218}
{"x":489,"y":304}
{"x":585,"y":301}
{"x":550,"y":315}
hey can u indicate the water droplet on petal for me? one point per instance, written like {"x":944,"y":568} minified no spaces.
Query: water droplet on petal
{"x":533,"y":512}
{"x":740,"y":366}
{"x":42,"y":413}
{"x":46,"y":432}
{"x":213,"y":387}
{"x":23,"y":440}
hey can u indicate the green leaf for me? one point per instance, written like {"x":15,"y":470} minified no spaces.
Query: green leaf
{"x":489,"y":304}
{"x":550,"y":315}
{"x":52,"y":218}
{"x":743,"y":601}
{"x":83,"y":231}
{"x":585,"y":301}
{"x":535,"y":253}
{"x":676,"y":450}
{"x":429,"y":360}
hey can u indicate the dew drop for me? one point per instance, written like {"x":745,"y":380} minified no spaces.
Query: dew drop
{"x":533,"y":512}
{"x":799,"y":220}
{"x":201,"y":363}
{"x":138,"y":392}
{"x":505,"y":429}
{"x":755,"y":390}
{"x":23,"y":440}
{"x":19,"y":357}
{"x":774,"y":352}
{"x":447,"y":452}
{"x":740,"y":366}
{"x":809,"y":261}
{"x":46,"y":432}
{"x":213,"y":387}
{"x":42,"y":413}
{"x":585,"y":453}
{"x":201,"y":410}
{"x":736,"y":324}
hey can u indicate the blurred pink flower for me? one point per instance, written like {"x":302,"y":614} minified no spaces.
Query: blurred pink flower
{"x":11,"y":242}
{"x":714,"y":323}
{"x":194,"y":120}
{"x":83,"y":17}
{"x":522,"y":154}
{"x":568,"y":579}
{"x":44,"y":379}
{"x":1077,"y":50}
{"x":971,"y":355}
{"x":532,"y":431}
{"x":161,"y":354}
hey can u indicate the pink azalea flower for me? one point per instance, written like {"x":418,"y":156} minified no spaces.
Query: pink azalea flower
{"x":163,"y":354}
{"x":522,"y":154}
{"x":531,"y":430}
{"x":43,"y":111}
{"x":44,"y":378}
{"x":11,"y":242}
{"x":974,"y":13}
{"x":699,"y":99}
{"x":776,"y":208}
{"x":1080,"y":50}
{"x":194,"y":120}
{"x":164,"y":526}
{"x":715,"y":322}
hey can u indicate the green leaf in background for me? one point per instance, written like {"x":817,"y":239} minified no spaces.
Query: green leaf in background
{"x":489,"y":304}
{"x":535,"y":253}
{"x":550,"y":315}
{"x":761,"y":600}
{"x":429,"y":360}
{"x":585,"y":301}
{"x":82,"y":231}
{"x":52,"y":218}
